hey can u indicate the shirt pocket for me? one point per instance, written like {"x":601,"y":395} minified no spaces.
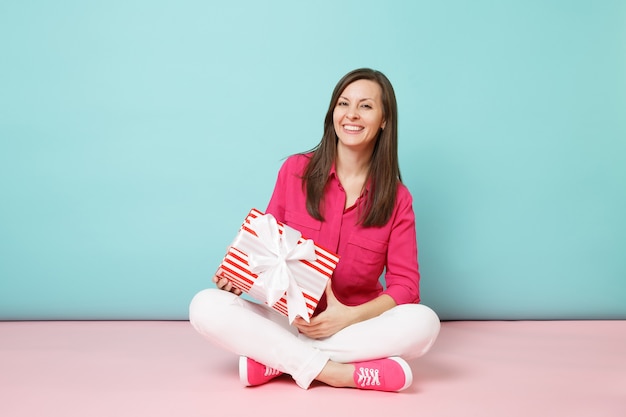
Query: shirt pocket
{"x":304,"y":223}
{"x":368,"y":251}
{"x":363,"y":263}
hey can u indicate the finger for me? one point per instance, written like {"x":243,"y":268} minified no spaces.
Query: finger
{"x":222,"y":283}
{"x":306,"y":331}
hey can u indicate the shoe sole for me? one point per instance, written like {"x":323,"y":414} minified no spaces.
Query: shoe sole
{"x":243,"y":371}
{"x":408,"y":380}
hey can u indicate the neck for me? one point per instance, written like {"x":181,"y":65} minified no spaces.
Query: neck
{"x":350,"y":164}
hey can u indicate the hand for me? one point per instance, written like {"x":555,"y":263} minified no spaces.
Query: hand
{"x":226,"y":285}
{"x":336,"y":317}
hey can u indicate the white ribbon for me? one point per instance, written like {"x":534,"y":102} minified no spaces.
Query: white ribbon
{"x":271,"y":263}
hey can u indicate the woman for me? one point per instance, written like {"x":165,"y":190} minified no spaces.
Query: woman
{"x":346,"y":195}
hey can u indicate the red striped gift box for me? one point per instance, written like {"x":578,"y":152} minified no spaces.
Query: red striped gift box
{"x":311,"y":276}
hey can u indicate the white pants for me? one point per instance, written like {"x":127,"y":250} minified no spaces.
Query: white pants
{"x":260,"y":333}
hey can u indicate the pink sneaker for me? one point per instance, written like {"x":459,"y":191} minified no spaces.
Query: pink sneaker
{"x":252,"y":373}
{"x":390,"y":374}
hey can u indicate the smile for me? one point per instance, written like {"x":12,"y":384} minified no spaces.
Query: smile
{"x":353,"y":128}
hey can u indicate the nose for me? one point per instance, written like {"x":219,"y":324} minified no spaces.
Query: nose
{"x":352,"y":113}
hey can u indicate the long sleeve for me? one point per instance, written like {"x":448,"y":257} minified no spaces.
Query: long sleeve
{"x":402,"y":272}
{"x":276,"y":206}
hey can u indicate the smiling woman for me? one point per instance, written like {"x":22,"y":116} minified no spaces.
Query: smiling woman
{"x":348,"y":195}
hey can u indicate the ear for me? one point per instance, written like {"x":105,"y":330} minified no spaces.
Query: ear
{"x":382,"y":126}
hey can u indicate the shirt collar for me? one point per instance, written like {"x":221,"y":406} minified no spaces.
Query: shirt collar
{"x":333,"y":174}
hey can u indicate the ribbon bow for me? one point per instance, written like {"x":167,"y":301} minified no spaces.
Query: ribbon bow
{"x":271,"y":263}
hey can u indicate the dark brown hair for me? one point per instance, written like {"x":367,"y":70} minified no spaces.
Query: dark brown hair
{"x":384,"y":170}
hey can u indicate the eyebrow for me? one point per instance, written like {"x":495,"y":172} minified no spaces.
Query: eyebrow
{"x":363,"y":99}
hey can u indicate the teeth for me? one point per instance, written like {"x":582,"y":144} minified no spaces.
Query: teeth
{"x":353,"y":128}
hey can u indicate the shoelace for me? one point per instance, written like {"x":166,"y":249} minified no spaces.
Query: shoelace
{"x":271,"y":371}
{"x":368,"y":377}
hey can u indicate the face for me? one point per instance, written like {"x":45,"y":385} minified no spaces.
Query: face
{"x":358,"y":115}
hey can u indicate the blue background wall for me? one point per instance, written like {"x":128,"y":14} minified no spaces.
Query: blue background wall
{"x":135,"y":135}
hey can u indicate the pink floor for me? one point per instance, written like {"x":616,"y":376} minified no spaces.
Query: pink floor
{"x":504,"y":369}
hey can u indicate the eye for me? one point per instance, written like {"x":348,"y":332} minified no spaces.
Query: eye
{"x":342,"y":103}
{"x":366,"y":106}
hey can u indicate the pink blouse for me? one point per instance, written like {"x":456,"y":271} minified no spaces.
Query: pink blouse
{"x":365,"y":251}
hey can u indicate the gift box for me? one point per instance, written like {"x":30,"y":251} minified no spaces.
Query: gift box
{"x":275,"y":264}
